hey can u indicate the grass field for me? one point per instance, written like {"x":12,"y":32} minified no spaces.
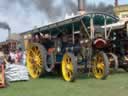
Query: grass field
{"x":115,"y":85}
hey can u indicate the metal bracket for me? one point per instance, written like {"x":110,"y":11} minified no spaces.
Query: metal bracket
{"x":85,"y":28}
{"x":73,"y":37}
{"x":105,"y":28}
{"x":92,"y":30}
{"x":109,"y":32}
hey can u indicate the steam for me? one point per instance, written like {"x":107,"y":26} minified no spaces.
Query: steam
{"x":56,"y":9}
{"x":4,"y":25}
{"x":24,"y":15}
{"x":21,"y":15}
{"x":101,"y":7}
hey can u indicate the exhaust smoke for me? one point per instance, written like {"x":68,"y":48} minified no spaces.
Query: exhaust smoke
{"x":23,"y":15}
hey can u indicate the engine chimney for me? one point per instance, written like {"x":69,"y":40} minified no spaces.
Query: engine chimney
{"x":81,"y":7}
{"x":116,"y":3}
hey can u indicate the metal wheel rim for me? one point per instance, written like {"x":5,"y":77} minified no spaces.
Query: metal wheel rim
{"x":34,"y":61}
{"x":67,"y":67}
{"x":99,"y":67}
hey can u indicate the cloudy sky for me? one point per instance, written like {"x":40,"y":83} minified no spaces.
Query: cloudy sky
{"x":108,"y":1}
{"x":23,"y":15}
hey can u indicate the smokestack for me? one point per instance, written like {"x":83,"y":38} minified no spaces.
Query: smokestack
{"x":5,"y":25}
{"x":116,"y":3}
{"x":81,"y":6}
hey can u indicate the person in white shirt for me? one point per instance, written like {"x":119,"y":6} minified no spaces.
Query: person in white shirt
{"x":12,"y":55}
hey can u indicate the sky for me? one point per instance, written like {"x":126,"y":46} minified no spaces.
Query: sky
{"x":23,"y":18}
{"x":108,"y":1}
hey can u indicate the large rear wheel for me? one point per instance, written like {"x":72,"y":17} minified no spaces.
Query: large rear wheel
{"x":36,"y":59}
{"x":69,"y":67}
{"x":100,"y":65}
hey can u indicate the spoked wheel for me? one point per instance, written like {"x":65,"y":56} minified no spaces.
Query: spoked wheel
{"x":36,"y":58}
{"x":50,"y":62}
{"x":100,"y":66}
{"x":126,"y":62}
{"x":69,"y":67}
{"x":113,"y":59}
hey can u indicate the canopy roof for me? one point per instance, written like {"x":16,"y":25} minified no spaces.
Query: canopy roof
{"x":58,"y":27}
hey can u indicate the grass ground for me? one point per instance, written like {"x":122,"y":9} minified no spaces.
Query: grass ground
{"x":115,"y":85}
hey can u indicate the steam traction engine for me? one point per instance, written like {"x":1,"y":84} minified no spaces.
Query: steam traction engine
{"x":93,"y":42}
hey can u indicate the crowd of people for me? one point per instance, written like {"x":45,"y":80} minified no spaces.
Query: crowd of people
{"x":13,"y":57}
{"x":14,"y":66}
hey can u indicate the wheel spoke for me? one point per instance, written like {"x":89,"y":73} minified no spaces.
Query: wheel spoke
{"x":32,"y":53}
{"x":69,"y":74}
{"x":69,"y":67}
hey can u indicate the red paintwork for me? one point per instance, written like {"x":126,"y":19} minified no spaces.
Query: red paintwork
{"x":100,"y":43}
{"x":2,"y":82}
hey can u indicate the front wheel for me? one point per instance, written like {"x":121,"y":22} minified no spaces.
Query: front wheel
{"x":100,"y":66}
{"x":69,"y":67}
